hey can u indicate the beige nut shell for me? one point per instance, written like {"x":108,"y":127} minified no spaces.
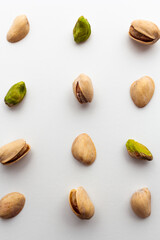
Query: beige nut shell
{"x":142,"y":90}
{"x":19,"y":29}
{"x":83,"y":149}
{"x":83,"y":88}
{"x":13,"y":151}
{"x":141,"y":203}
{"x":84,"y":206}
{"x":11,"y":205}
{"x":147,"y":28}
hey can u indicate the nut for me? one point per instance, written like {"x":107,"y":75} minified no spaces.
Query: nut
{"x":19,"y":29}
{"x":138,"y":150}
{"x":141,"y":203}
{"x":83,"y":149}
{"x":11,"y":205}
{"x":13,"y":151}
{"x":144,"y":32}
{"x":15,"y":94}
{"x":82,"y":30}
{"x":83,"y":89}
{"x":142,"y":90}
{"x":81,"y":204}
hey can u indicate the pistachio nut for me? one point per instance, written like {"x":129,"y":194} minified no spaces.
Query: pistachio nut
{"x":80,"y":203}
{"x":145,"y":32}
{"x":19,"y":29}
{"x":83,"y":149}
{"x":11,"y":205}
{"x":82,"y":30}
{"x":13,"y":151}
{"x":138,"y":150}
{"x":141,"y":203}
{"x":142,"y":90}
{"x":15,"y":94}
{"x":83,"y":89}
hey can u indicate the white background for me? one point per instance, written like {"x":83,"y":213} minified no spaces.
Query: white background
{"x":49,"y":118}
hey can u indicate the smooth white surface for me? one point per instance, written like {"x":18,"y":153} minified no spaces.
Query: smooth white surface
{"x":50,"y":118}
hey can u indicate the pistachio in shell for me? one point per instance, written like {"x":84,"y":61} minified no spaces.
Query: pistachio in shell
{"x":145,"y":32}
{"x":82,"y":30}
{"x":81,"y":204}
{"x":142,"y":90}
{"x":138,"y":150}
{"x":18,"y":30}
{"x":11,"y":205}
{"x":83,"y":88}
{"x":83,"y":149}
{"x":141,"y":203}
{"x":13,"y":151}
{"x":15,"y":94}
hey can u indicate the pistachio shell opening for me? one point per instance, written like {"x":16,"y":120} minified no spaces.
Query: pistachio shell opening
{"x":81,"y":204}
{"x":138,"y":150}
{"x":13,"y":151}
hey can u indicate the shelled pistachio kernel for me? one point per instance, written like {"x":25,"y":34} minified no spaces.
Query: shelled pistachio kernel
{"x":138,"y":150}
{"x":82,"y":30}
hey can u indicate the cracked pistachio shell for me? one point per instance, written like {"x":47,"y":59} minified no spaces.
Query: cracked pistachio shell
{"x":19,"y":29}
{"x":83,"y":149}
{"x":144,"y":32}
{"x":83,"y":89}
{"x":13,"y":151}
{"x":82,"y":30}
{"x":138,"y":150}
{"x":141,"y":203}
{"x":11,"y":205}
{"x":80,"y":203}
{"x":15,"y":94}
{"x":142,"y":90}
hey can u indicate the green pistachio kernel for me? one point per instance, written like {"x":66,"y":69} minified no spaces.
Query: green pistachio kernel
{"x":15,"y":94}
{"x":138,"y":150}
{"x":82,"y":30}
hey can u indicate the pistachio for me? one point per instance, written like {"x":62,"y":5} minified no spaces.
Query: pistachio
{"x":11,"y":205}
{"x":83,"y":149}
{"x":142,"y":90}
{"x":15,"y":94}
{"x":145,"y":32}
{"x":13,"y":151}
{"x":80,"y":203}
{"x":141,"y":203}
{"x":83,"y":89}
{"x":82,"y":30}
{"x":138,"y":150}
{"x":19,"y":29}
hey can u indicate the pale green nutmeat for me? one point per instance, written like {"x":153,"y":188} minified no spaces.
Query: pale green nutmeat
{"x":138,"y":150}
{"x":15,"y":94}
{"x":82,"y":30}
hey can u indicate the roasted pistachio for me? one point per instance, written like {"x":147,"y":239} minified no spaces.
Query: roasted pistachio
{"x":15,"y":94}
{"x":82,"y":30}
{"x":80,"y":203}
{"x":83,"y":149}
{"x":142,"y":90}
{"x":83,"y":89}
{"x":19,"y":29}
{"x":138,"y":150}
{"x":141,"y":203}
{"x":11,"y":205}
{"x":145,"y":32}
{"x":13,"y":151}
